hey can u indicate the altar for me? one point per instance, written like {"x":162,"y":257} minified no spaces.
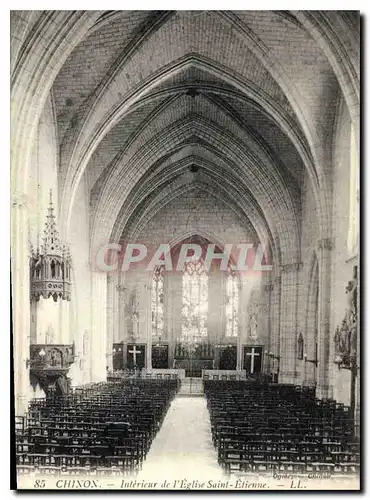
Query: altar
{"x":163,"y":373}
{"x":194,"y":358}
{"x":193,"y":367}
{"x":224,"y":375}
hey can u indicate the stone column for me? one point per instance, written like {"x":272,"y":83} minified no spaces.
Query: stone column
{"x":148,"y":325}
{"x":85,"y":361}
{"x":20,"y":301}
{"x":288,"y":323}
{"x":98,"y":340}
{"x":275,"y":339}
{"x":121,"y":299}
{"x":111,"y":288}
{"x":48,"y":315}
{"x":115,"y":310}
{"x":269,"y":287}
{"x":244,"y":299}
{"x":175,"y":309}
{"x":33,"y":327}
{"x":239,"y":346}
{"x":358,"y":379}
{"x":310,"y":339}
{"x":216,"y":306}
{"x":76,"y":372}
{"x":65,"y":333}
{"x":324,"y":248}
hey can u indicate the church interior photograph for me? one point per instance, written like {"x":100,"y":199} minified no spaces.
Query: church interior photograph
{"x":185,"y":249}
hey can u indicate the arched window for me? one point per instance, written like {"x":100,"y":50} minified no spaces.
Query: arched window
{"x":232,"y":303}
{"x":353,"y":222}
{"x":194,"y":301}
{"x":157,"y":301}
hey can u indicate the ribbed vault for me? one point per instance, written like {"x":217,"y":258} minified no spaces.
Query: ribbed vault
{"x":249,"y":100}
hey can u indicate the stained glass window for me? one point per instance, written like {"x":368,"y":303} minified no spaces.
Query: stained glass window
{"x":232,"y":304}
{"x":157,"y":301}
{"x":194,"y":302}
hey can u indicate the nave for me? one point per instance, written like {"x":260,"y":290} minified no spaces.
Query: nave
{"x":183,"y":447}
{"x":185,"y":201}
{"x":145,"y":429}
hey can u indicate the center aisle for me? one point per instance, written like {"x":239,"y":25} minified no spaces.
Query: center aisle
{"x":183,"y":447}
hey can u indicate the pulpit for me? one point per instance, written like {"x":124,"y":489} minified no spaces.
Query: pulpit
{"x":49,"y":365}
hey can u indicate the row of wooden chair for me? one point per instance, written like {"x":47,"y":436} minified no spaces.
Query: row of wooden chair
{"x":99,"y":429}
{"x":258,"y":427}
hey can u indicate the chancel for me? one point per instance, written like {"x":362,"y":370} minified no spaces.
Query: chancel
{"x":185,"y":242}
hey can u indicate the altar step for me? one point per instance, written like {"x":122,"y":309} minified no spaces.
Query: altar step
{"x":191,"y":386}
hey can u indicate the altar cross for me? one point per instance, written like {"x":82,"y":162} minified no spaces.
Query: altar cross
{"x":134,"y":352}
{"x":252,"y":354}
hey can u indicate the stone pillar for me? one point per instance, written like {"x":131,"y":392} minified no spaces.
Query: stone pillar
{"x":33,"y":327}
{"x":324,"y":248}
{"x":239,"y":344}
{"x":115,"y":310}
{"x":111,"y":288}
{"x":85,"y":361}
{"x":167,"y":316}
{"x":20,"y":301}
{"x":275,"y":339}
{"x":358,"y":379}
{"x":77,"y":371}
{"x":174,"y":313}
{"x":310,"y":337}
{"x":98,"y":340}
{"x":65,"y":333}
{"x":216,"y":306}
{"x":121,"y":299}
{"x":244,"y":299}
{"x":147,"y":310}
{"x":288,"y":323}
{"x":269,"y":288}
{"x":48,"y":315}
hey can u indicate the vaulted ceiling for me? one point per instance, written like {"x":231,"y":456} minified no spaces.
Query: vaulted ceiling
{"x":247,"y":97}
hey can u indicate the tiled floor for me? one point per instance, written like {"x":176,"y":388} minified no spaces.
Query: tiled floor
{"x":183,"y":447}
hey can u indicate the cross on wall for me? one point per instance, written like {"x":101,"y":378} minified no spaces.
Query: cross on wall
{"x":134,"y":352}
{"x":252,"y":354}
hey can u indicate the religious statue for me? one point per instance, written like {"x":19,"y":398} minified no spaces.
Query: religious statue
{"x":55,"y":358}
{"x":351,"y":291}
{"x":135,"y":325}
{"x":345,"y":338}
{"x":37,"y":264}
{"x":253,"y":322}
{"x":135,"y":316}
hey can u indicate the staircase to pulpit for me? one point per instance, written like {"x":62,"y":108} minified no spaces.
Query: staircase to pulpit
{"x":191,"y":386}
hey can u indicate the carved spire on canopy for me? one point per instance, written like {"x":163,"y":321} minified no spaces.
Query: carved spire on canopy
{"x":50,"y":272}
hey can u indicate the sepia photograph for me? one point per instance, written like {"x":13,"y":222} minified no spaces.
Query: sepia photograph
{"x":185,"y":250}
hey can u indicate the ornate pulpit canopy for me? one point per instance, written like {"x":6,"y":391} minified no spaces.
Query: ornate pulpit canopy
{"x":50,"y":265}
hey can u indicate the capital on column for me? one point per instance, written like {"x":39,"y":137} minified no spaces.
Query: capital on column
{"x":269,"y":287}
{"x":19,"y":200}
{"x":290,"y":268}
{"x":325,"y":244}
